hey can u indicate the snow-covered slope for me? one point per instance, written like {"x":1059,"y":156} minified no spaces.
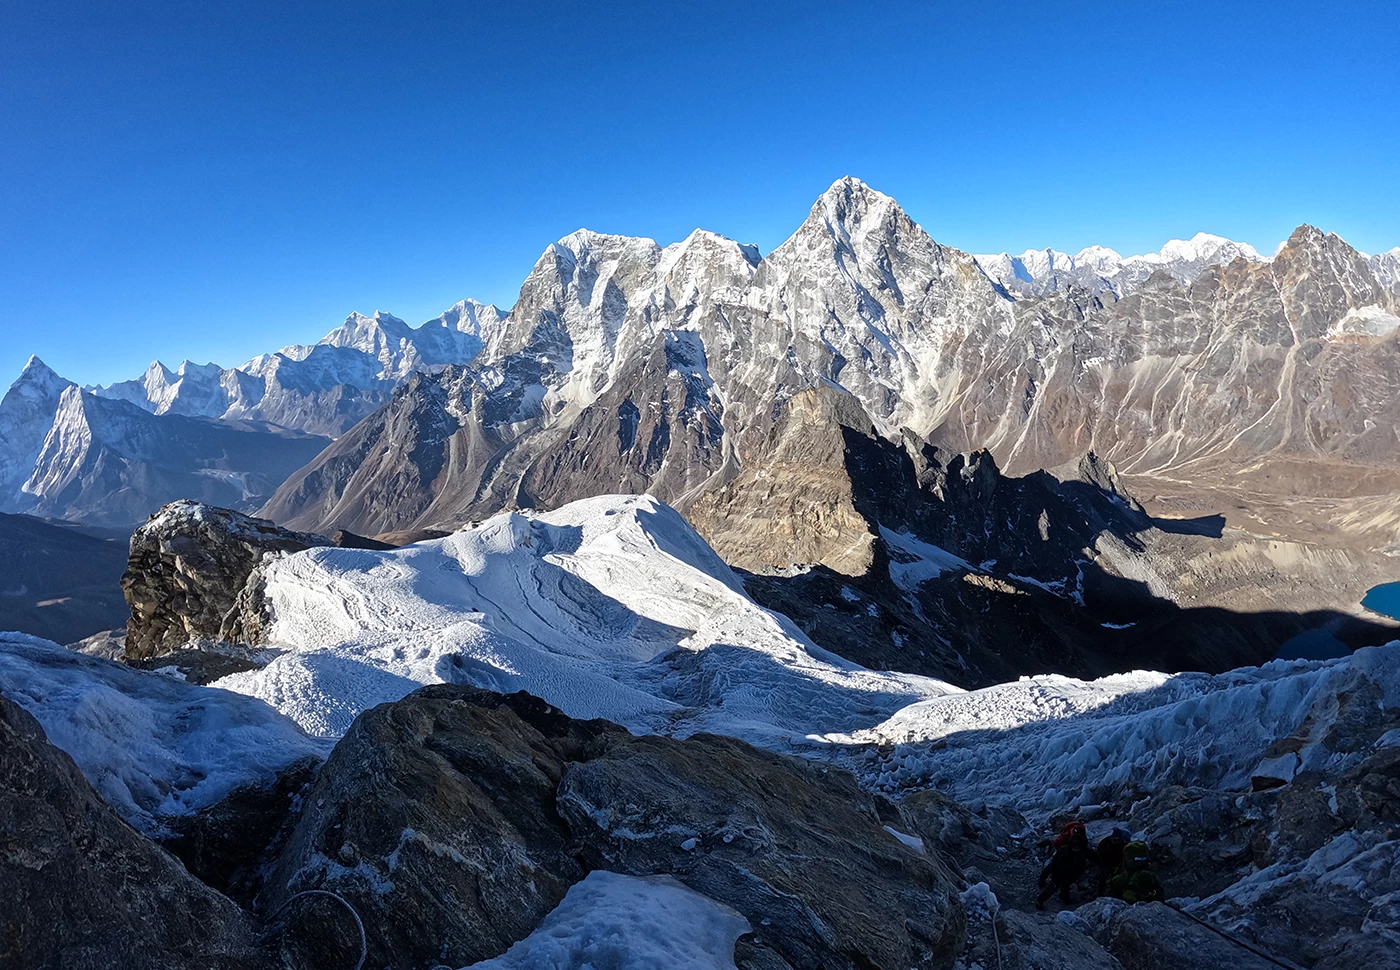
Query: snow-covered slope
{"x":152,"y":745}
{"x":1052,"y":744}
{"x":613,"y":607}
{"x":629,"y":923}
{"x":1387,"y":268}
{"x":609,"y":607}
{"x":1101,"y":270}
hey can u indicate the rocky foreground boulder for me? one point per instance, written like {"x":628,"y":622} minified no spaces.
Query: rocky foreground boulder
{"x":456,"y":819}
{"x":187,"y":571}
{"x":82,"y":890}
{"x":793,"y":845}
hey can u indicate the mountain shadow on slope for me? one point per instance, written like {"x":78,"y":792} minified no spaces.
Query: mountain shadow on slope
{"x":60,"y":581}
{"x":976,"y":631}
{"x":1018,"y":582}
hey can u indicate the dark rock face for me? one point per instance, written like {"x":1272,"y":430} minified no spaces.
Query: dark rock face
{"x":229,"y":845}
{"x":349,"y":540}
{"x":1014,"y":940}
{"x":187,"y":570}
{"x":988,"y":845}
{"x":796,"y":848}
{"x":197,"y":666}
{"x":82,"y":890}
{"x":435,"y":817}
{"x":1153,"y":936}
{"x":410,"y":536}
{"x":1040,"y":585}
{"x":456,"y":819}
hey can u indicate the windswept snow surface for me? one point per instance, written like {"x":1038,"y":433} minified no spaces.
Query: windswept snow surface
{"x":608,"y":607}
{"x":152,"y":745}
{"x":1048,"y":743}
{"x":614,"y":922}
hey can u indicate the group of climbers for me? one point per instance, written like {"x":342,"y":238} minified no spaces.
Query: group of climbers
{"x":1122,"y":863}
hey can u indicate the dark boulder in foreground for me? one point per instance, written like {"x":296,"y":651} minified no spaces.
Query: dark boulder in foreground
{"x":796,"y":847}
{"x":435,"y":817}
{"x":81,"y":890}
{"x":456,"y":819}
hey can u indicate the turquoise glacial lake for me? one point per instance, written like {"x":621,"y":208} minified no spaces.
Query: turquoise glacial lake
{"x":1383,"y":599}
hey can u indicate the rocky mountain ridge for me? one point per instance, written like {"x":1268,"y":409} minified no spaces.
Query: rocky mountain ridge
{"x":106,"y":462}
{"x":322,"y":388}
{"x":735,"y":388}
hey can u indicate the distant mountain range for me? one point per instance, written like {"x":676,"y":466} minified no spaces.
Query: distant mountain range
{"x":65,"y":458}
{"x":112,"y":455}
{"x":1100,"y":271}
{"x":813,"y":408}
{"x":626,"y":366}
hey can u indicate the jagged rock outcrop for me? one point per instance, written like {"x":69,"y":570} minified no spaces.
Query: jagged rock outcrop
{"x":82,"y":890}
{"x":187,"y":571}
{"x":435,"y":816}
{"x":455,"y":819}
{"x":230,"y":845}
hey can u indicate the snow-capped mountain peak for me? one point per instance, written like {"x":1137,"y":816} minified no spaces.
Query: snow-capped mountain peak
{"x":852,"y":210}
{"x":1386,"y":266}
{"x":26,"y":412}
{"x":38,"y":379}
{"x":1205,"y":247}
{"x":1102,"y":270}
{"x":1100,"y":259}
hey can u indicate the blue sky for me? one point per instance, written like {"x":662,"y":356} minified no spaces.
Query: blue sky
{"x":212,"y":180}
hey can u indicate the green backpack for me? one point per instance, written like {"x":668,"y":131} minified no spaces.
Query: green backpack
{"x":1135,"y":882}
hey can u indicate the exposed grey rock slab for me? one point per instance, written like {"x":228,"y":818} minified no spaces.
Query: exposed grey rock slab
{"x":82,"y":890}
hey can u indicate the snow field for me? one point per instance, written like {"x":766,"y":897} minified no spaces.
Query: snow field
{"x":609,"y":607}
{"x":614,"y":922}
{"x":613,"y":607}
{"x":152,"y":745}
{"x":1048,"y":743}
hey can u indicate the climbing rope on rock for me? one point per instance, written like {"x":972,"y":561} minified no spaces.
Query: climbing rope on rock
{"x":1245,"y":944}
{"x":359,"y":924}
